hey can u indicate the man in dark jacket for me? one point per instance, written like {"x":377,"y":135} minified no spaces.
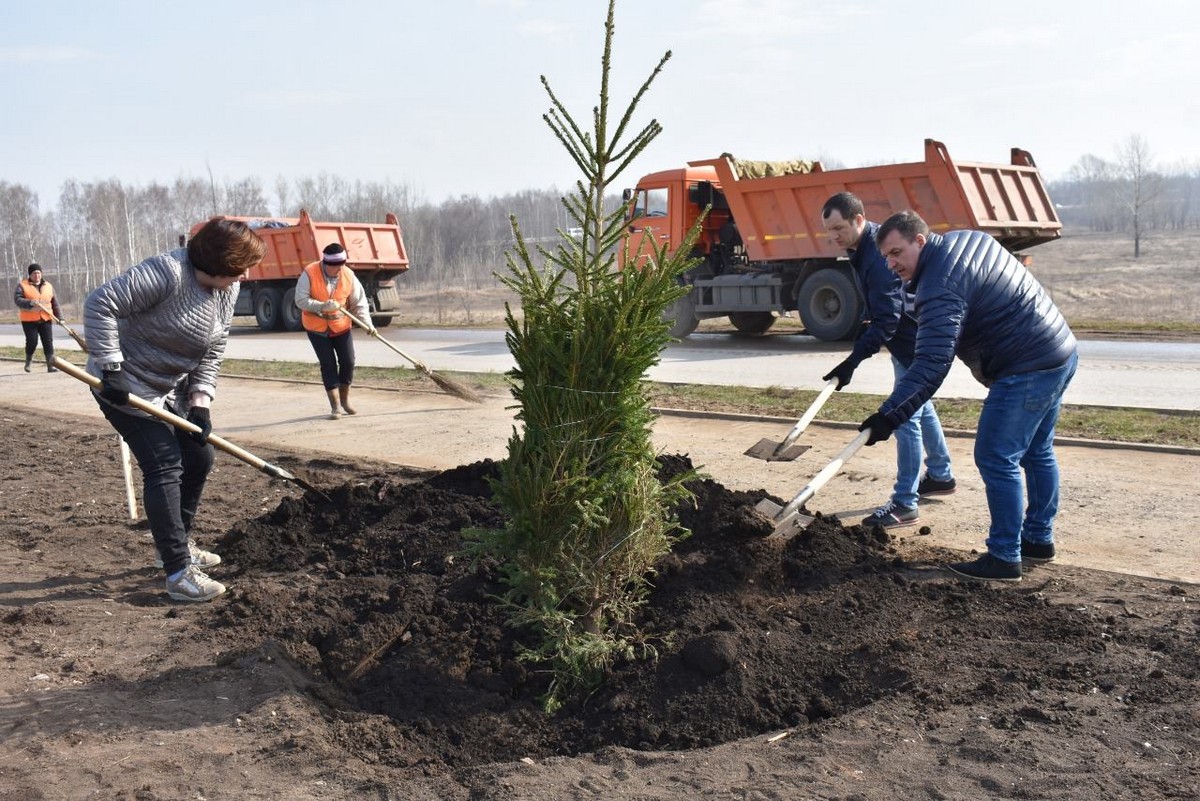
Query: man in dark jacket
{"x":975,"y":300}
{"x":887,"y":325}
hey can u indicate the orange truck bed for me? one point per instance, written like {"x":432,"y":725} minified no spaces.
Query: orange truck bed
{"x":779,"y":216}
{"x":292,"y":247}
{"x":762,"y":251}
{"x":375,"y":251}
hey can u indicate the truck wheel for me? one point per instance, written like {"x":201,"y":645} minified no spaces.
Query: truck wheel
{"x":829,"y":305}
{"x":289,"y":314}
{"x":381,"y":320}
{"x":267,"y":307}
{"x":752,"y":322}
{"x":682,"y":316}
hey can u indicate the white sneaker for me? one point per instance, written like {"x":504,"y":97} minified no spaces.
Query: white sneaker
{"x":193,"y":585}
{"x":200,"y":557}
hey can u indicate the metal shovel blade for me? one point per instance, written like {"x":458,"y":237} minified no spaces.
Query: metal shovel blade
{"x":787,"y":519}
{"x":785,"y":451}
{"x":787,"y":525}
{"x":770,"y":450}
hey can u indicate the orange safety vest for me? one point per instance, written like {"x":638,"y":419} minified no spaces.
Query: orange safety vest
{"x":336,"y":323}
{"x":44,"y":296}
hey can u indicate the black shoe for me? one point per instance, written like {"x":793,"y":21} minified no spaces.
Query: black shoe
{"x":50,"y":368}
{"x":891,"y":515}
{"x":931,"y":486}
{"x":27,"y":363}
{"x":987,"y":568}
{"x":1037,"y":551}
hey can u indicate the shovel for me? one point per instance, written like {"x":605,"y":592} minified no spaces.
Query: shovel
{"x":772,"y":451}
{"x":452,"y":387}
{"x":217,"y":442}
{"x":786,"y":518}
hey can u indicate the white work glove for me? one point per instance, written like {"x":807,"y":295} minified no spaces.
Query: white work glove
{"x":330,"y":306}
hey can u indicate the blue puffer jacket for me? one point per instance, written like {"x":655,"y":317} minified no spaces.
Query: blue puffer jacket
{"x":975,"y":300}
{"x":883,"y":291}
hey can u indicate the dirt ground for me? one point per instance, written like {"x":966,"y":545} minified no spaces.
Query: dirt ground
{"x":357,"y":654}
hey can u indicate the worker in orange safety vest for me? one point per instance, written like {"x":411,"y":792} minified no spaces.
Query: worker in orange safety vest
{"x":322,"y":290}
{"x":38,"y":308}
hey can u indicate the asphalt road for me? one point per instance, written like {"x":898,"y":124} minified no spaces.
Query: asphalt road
{"x":1139,"y":374}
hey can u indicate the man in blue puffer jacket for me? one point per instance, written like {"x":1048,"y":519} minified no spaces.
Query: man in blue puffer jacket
{"x":975,"y":300}
{"x":888,"y":324}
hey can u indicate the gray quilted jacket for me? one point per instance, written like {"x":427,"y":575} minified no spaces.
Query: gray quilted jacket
{"x":163,"y":327}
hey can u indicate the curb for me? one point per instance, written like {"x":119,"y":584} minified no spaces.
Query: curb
{"x":1104,"y":444}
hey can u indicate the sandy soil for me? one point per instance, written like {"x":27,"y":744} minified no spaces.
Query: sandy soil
{"x":888,"y":677}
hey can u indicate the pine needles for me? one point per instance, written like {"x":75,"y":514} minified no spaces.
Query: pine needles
{"x":588,"y":516}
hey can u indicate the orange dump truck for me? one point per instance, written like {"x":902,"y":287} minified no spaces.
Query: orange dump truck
{"x":764,"y":252}
{"x":375,"y":252}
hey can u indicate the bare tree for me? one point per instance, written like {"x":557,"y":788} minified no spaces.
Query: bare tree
{"x":1141,"y":184}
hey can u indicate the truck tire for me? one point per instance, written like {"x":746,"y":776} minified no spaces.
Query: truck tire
{"x":829,"y":305}
{"x":682,"y":316}
{"x":381,"y":320}
{"x":289,"y":314}
{"x":752,"y":323}
{"x":268,"y":307}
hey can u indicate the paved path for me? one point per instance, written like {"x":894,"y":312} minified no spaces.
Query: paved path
{"x":1142,"y":374}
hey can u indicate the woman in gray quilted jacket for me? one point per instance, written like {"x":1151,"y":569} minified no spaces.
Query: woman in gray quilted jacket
{"x":158,"y":331}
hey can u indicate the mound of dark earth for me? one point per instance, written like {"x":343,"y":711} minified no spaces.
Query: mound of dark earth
{"x":753,"y":634}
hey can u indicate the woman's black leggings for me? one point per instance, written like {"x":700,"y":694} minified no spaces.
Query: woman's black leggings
{"x":43,"y":329}
{"x":336,"y":355}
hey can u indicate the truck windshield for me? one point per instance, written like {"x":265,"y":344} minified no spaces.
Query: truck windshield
{"x":650,"y":203}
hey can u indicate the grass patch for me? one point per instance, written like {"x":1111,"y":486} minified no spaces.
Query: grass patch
{"x":1115,"y":424}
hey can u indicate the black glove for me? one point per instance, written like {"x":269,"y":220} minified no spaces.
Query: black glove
{"x":881,"y":428}
{"x":200,"y":417}
{"x":843,"y":373}
{"x":114,"y":388}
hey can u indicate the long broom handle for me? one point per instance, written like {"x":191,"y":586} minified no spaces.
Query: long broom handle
{"x":78,"y":339}
{"x":375,"y":333}
{"x":822,"y":478}
{"x":809,"y":415}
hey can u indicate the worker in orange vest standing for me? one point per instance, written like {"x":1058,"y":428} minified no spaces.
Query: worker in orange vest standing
{"x":38,"y":310}
{"x":322,"y":290}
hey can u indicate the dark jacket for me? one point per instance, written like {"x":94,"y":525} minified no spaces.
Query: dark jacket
{"x":975,"y":300}
{"x":883,"y":291}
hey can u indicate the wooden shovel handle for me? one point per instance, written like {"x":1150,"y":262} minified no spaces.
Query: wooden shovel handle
{"x":809,"y":415}
{"x":174,"y":419}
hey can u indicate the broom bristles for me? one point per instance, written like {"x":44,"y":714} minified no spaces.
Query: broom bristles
{"x":454,"y":388}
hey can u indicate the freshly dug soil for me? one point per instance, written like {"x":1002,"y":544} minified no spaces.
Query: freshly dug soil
{"x":360,"y":653}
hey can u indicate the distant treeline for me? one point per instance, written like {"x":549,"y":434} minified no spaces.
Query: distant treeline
{"x":1097,"y":196}
{"x":98,"y":229}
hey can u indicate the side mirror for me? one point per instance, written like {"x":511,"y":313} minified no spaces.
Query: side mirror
{"x":626,"y":195}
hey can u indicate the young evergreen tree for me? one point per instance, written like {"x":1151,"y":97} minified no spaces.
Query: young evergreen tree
{"x":588,"y":516}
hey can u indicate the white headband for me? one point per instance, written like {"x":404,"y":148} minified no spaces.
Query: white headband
{"x":334,"y":258}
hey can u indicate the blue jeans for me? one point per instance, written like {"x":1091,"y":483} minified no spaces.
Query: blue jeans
{"x":1016,"y":433}
{"x":919,"y":436}
{"x":174,"y":470}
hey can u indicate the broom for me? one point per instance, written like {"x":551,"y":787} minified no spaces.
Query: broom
{"x":452,"y":387}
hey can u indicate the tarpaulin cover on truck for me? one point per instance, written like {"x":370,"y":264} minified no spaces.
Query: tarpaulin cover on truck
{"x":744,"y":168}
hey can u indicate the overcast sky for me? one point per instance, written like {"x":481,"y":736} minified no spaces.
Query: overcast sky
{"x":444,"y":97}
